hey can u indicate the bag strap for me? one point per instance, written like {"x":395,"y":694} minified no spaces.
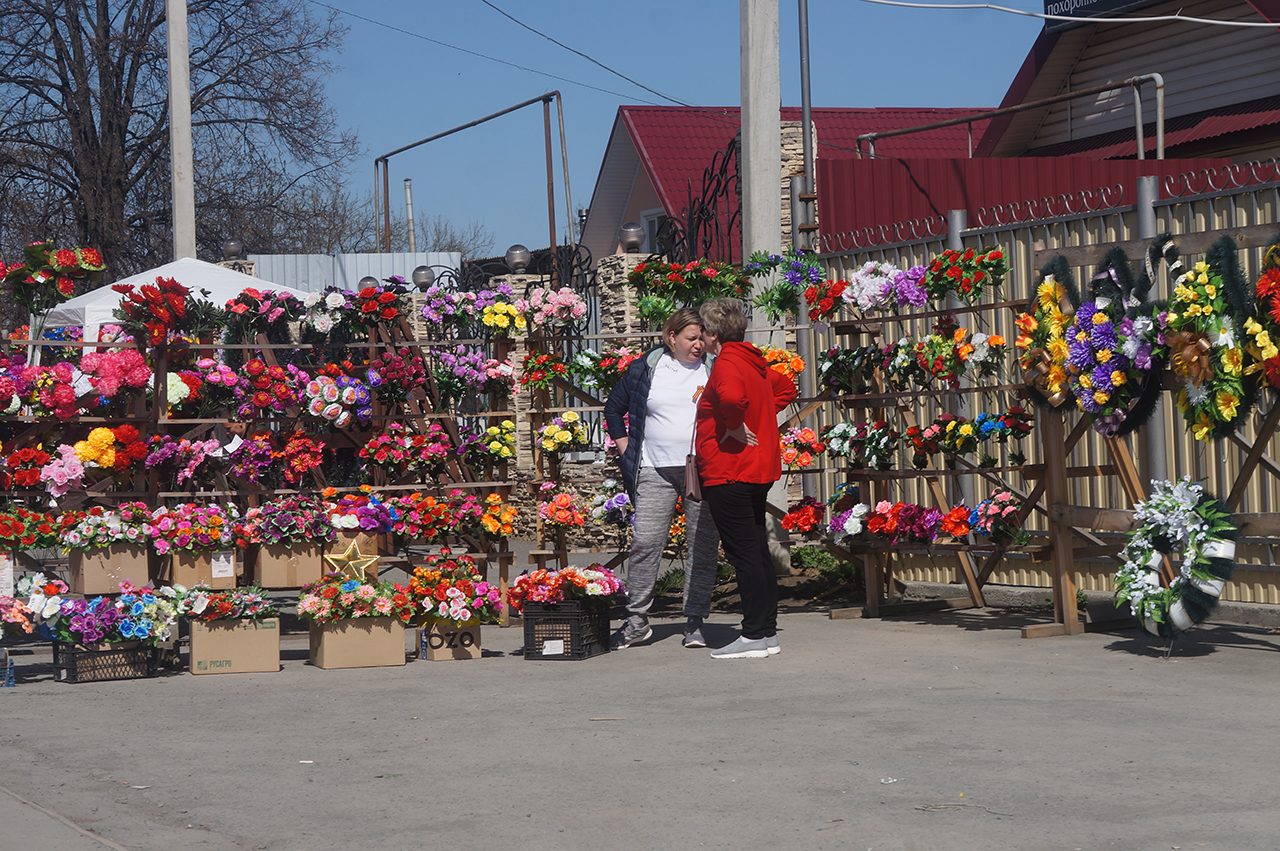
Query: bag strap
{"x":693,"y":438}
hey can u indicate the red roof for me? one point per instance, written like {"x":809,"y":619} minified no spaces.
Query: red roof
{"x":676,"y":144}
{"x":1178,"y":131}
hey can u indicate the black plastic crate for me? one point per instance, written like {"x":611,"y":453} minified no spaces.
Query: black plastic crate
{"x":583,"y":626}
{"x":86,"y":665}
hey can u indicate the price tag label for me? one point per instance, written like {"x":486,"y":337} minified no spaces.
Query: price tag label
{"x":224,"y":564}
{"x":554,"y":647}
{"x":6,"y":574}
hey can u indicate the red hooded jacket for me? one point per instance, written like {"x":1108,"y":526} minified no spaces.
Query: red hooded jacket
{"x":741,"y":389}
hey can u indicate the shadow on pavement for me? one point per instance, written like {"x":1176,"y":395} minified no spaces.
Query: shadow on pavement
{"x":1200,"y":642}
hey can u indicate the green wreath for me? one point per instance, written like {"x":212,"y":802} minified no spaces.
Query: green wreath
{"x":1184,"y":518}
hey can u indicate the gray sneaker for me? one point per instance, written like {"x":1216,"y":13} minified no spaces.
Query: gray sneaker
{"x":629,"y":634}
{"x":743,"y":648}
{"x":693,"y":634}
{"x":771,"y":642}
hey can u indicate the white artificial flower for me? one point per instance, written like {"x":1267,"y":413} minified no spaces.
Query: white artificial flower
{"x":333,"y":301}
{"x":311,"y":300}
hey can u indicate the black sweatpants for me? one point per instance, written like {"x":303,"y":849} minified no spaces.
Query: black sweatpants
{"x":738,"y":509}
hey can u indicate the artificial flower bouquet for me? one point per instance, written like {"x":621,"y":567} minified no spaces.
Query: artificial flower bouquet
{"x":868,"y":445}
{"x":800,"y":447}
{"x":48,"y":391}
{"x":561,"y":509}
{"x":1261,"y":333}
{"x":901,"y":522}
{"x":107,"y":546}
{"x":461,"y":373}
{"x":22,"y":467}
{"x":499,"y":441}
{"x":825,"y":299}
{"x":182,"y":458}
{"x":848,"y":514}
{"x":499,"y":517}
{"x":843,"y":371}
{"x":381,"y":305}
{"x":47,"y":276}
{"x":595,"y":582}
{"x":424,"y":518}
{"x":539,"y":370}
{"x":663,"y":286}
{"x":396,"y":373}
{"x":192,"y":527}
{"x":116,"y":371}
{"x":24,"y":529}
{"x":1203,"y":330}
{"x":603,"y":369}
{"x":804,"y":516}
{"x":339,"y":598}
{"x":290,"y":522}
{"x":612,"y":505}
{"x":503,"y":319}
{"x":1042,"y":340}
{"x":154,"y":312}
{"x":965,"y":273}
{"x":998,"y":517}
{"x":116,"y":449}
{"x":140,"y":613}
{"x":452,"y":590}
{"x":879,"y":286}
{"x":63,"y":473}
{"x":236,"y":604}
{"x":356,"y":624}
{"x":268,"y":312}
{"x":799,"y":271}
{"x":565,"y":433}
{"x":784,"y":362}
{"x":1109,"y":355}
{"x":268,"y":389}
{"x":552,"y":309}
{"x":15,"y":617}
{"x":354,"y":513}
{"x":340,"y":401}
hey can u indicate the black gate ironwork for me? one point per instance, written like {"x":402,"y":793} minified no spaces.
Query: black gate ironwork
{"x":710,"y":225}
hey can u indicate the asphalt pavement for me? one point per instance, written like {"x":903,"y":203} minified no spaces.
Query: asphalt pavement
{"x":945,"y":732}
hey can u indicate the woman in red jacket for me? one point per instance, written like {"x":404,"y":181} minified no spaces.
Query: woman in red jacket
{"x":739,"y":460}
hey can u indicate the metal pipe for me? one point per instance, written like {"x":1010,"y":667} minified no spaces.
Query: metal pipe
{"x":1137,"y":114}
{"x":570,"y":231}
{"x":1158,"y":79}
{"x":377,"y":209}
{"x":1151,"y":440}
{"x":386,"y":206}
{"x":386,"y":201}
{"x":1141,"y":79}
{"x":801,"y":238}
{"x":551,"y":193}
{"x":408,"y":208}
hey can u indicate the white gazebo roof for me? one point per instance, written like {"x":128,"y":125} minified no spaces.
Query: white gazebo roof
{"x":93,"y":309}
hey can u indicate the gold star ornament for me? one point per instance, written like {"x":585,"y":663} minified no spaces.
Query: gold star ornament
{"x":352,"y":563}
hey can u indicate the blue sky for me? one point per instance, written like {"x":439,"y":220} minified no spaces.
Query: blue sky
{"x":393,"y":88}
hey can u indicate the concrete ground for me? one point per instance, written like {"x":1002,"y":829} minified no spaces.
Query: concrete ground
{"x":948,"y":731}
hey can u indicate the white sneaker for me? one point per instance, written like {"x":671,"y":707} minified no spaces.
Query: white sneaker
{"x":772,"y":645}
{"x":743,"y":648}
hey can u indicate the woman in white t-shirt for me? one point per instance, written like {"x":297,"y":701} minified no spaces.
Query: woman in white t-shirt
{"x":650,"y":414}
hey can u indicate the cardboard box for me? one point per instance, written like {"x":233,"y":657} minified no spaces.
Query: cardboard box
{"x":446,"y":641}
{"x":235,"y":646}
{"x":280,"y":566}
{"x":217,"y":569}
{"x":101,"y":571}
{"x":358,"y":643}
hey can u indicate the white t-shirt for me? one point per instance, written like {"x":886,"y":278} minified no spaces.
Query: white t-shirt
{"x":670,"y":412}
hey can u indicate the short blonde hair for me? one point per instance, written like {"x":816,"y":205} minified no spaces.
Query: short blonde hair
{"x":726,"y":318}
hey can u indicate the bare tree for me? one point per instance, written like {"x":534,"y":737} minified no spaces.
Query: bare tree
{"x":472,"y":240}
{"x":84,"y":135}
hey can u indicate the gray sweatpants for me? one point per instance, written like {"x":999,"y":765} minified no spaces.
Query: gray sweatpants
{"x":656,"y":493}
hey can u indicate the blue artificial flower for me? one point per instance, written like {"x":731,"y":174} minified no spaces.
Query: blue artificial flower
{"x":350,"y":585}
{"x":126,"y":628}
{"x":127,"y":599}
{"x":137,"y":608}
{"x":149,"y":599}
{"x":143,"y":628}
{"x":973,"y":517}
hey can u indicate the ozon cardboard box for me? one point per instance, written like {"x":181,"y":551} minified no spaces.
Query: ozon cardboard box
{"x":445,"y":641}
{"x":235,"y":646}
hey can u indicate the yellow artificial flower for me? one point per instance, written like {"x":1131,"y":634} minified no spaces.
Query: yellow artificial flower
{"x":1228,"y":405}
{"x":966,"y":429}
{"x":549,"y":445}
{"x":1101,"y":397}
{"x":1099,"y":318}
{"x":1081,"y":336}
{"x":563,"y":436}
{"x":1086,"y":381}
{"x":508,"y":424}
{"x":1056,"y":378}
{"x":1118,"y":378}
{"x":1103,"y":355}
{"x":1210,"y":290}
{"x":1058,"y":350}
{"x":569,"y":417}
{"x":1203,"y":427}
{"x":1232,"y":361}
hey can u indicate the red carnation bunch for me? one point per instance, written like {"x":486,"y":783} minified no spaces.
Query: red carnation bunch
{"x":824,"y":299}
{"x":539,"y":370}
{"x":152,"y":311}
{"x":804,"y":516}
{"x":23,"y":466}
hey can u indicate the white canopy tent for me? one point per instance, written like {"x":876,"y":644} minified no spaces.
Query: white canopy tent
{"x":93,"y":309}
